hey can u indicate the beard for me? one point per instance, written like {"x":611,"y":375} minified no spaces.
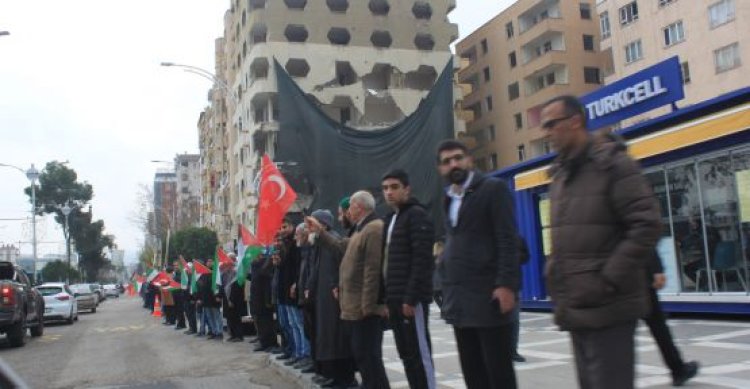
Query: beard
{"x":458,"y":176}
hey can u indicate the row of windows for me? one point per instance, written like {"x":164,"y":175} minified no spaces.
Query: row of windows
{"x":725,"y":58}
{"x":421,"y":8}
{"x":720,"y":12}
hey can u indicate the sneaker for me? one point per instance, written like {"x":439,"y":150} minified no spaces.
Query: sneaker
{"x":689,"y":370}
{"x":518,"y":358}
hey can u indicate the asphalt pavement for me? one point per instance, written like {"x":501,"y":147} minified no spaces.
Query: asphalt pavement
{"x":122,"y":346}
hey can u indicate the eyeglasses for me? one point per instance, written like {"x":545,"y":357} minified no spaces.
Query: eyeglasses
{"x":447,"y":160}
{"x":552,"y":123}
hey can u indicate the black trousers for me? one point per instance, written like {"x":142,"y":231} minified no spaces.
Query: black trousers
{"x":367,"y":348}
{"x":412,"y":338}
{"x":605,"y":358}
{"x":340,"y":371}
{"x":190,"y":314}
{"x":657,"y":323}
{"x":308,"y":316}
{"x":234,"y":323}
{"x":486,"y":357}
{"x":179,"y":308}
{"x":266,"y":330}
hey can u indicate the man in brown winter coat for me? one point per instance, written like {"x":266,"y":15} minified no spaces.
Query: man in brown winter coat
{"x":605,"y":224}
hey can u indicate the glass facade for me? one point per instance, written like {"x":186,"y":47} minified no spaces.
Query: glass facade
{"x":705,"y":242}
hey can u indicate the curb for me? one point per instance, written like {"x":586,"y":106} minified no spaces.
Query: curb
{"x":304,"y":381}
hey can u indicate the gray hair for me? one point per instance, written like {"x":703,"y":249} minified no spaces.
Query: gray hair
{"x":302,"y":227}
{"x":364,"y":199}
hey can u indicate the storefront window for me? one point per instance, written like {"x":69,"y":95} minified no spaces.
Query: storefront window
{"x":666,"y":245}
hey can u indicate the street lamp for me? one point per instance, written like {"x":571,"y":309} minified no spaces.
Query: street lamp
{"x":205,"y":74}
{"x":32,"y":174}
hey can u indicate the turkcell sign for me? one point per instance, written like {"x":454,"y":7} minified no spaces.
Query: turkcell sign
{"x":641,"y":92}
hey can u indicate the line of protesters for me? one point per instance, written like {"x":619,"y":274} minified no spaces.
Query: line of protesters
{"x":334,"y":293}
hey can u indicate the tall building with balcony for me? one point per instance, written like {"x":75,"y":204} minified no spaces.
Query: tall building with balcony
{"x":165,"y":202}
{"x":188,"y":190}
{"x":711,"y":38}
{"x":367,"y":63}
{"x":529,"y":53}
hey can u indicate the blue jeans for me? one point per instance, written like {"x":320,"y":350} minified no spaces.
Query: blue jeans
{"x":286,"y":328}
{"x":215,"y":324}
{"x":205,"y":322}
{"x":297,"y":323}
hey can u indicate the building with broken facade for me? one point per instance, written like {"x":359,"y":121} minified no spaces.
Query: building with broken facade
{"x":366,"y":64}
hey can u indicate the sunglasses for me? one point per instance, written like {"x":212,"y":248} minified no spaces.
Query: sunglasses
{"x":552,"y":123}
{"x":447,"y":161}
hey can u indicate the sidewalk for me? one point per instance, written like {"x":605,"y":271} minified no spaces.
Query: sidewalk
{"x":722,"y":347}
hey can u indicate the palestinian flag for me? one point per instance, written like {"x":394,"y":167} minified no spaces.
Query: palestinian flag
{"x":160,"y":277}
{"x":249,"y":249}
{"x":151,"y":274}
{"x":184,"y":276}
{"x":201,"y":268}
{"x":215,"y":274}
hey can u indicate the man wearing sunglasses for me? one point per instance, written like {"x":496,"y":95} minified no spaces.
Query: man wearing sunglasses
{"x":605,"y":224}
{"x":479,"y":269}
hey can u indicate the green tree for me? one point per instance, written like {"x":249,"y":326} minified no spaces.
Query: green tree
{"x":58,"y":271}
{"x":193,"y":242}
{"x":59,"y":185}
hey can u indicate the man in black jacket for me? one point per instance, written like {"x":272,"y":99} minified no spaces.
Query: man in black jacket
{"x":407,"y":270}
{"x":479,"y":270}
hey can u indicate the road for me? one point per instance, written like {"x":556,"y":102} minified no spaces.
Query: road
{"x":122,"y":346}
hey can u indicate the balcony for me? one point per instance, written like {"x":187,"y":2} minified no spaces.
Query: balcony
{"x":544,"y":63}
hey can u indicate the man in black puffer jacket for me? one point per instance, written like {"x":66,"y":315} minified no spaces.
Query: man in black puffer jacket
{"x":407,"y":270}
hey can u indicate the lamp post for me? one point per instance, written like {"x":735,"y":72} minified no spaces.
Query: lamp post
{"x":66,"y":209}
{"x":205,"y":74}
{"x":32,"y":174}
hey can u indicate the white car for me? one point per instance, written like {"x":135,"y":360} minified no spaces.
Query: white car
{"x":110,"y":290}
{"x":59,"y":302}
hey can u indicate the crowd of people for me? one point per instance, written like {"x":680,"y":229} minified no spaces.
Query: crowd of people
{"x":321,"y":297}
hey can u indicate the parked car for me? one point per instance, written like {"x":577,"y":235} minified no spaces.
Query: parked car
{"x":86,"y":297}
{"x":99,"y":292}
{"x":21,"y":306}
{"x":59,"y":302}
{"x":110,"y":290}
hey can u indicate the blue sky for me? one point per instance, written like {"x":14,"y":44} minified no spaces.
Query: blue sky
{"x":80,"y":81}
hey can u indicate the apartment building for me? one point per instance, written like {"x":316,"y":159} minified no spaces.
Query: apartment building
{"x":367,"y":63}
{"x":188,"y":174}
{"x":529,"y":53}
{"x":710,"y":37}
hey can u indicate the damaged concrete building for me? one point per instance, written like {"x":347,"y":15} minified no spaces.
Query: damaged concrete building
{"x":366,"y":63}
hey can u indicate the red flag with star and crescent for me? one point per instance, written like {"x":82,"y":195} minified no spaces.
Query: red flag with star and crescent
{"x":276,"y":196}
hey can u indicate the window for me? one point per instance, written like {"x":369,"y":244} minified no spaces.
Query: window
{"x":721,"y":12}
{"x":184,"y":177}
{"x":629,"y":13}
{"x":633,"y":51}
{"x":546,"y":148}
{"x":489,"y":103}
{"x":727,"y":57}
{"x":512,"y":59}
{"x":486,"y":74}
{"x":521,"y":152}
{"x":519,"y":121}
{"x":685,"y":73}
{"x":484,"y":46}
{"x":591,"y":75}
{"x":493,"y":161}
{"x":547,"y":46}
{"x":585,"y":11}
{"x":674,"y":33}
{"x":604,"y":25}
{"x":550,"y":78}
{"x":338,"y":5}
{"x":513,"y":91}
{"x":509,"y":30}
{"x":588,"y":42}
{"x":662,"y":3}
{"x":491,"y":132}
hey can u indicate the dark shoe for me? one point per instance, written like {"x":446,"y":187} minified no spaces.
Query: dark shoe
{"x":303,"y":363}
{"x":327,"y":383}
{"x":253,"y":340}
{"x":189,"y":332}
{"x":199,"y":335}
{"x":689,"y":370}
{"x":220,"y":338}
{"x":234,"y":340}
{"x":317,"y":379}
{"x":291,"y":362}
{"x":283,"y":357}
{"x":180,"y":327}
{"x":518,"y":358}
{"x":309,"y":369}
{"x":210,"y":336}
{"x":260,"y":349}
{"x":332,"y":384}
{"x":276,"y":350}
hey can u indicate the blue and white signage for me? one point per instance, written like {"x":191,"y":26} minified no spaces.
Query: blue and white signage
{"x":648,"y":89}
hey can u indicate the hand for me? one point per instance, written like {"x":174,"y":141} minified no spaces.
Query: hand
{"x":313,"y":225}
{"x":506,"y":298}
{"x":230,"y":304}
{"x":383,"y":312}
{"x":293,"y":291}
{"x":218,"y":299}
{"x":307,"y":294}
{"x":407,"y":310}
{"x":660,"y":280}
{"x":199,"y":302}
{"x":275,"y":259}
{"x":335,"y":292}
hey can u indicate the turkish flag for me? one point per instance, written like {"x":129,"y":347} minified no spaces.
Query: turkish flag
{"x":276,"y":196}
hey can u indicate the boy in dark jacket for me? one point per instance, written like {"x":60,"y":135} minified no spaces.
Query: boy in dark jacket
{"x":407,"y":273}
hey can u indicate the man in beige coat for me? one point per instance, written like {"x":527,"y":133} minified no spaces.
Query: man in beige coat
{"x":360,"y":291}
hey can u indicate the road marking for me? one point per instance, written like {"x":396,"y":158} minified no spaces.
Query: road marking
{"x":544,"y":354}
{"x":648,"y":369}
{"x":724,"y":369}
{"x":725,"y":335}
{"x":455,"y":384}
{"x":724,"y":345}
{"x":50,"y":338}
{"x":538,"y":365}
{"x":728,"y":382}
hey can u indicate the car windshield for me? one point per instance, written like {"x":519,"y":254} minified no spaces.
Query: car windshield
{"x":80,"y":289}
{"x":49,"y":290}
